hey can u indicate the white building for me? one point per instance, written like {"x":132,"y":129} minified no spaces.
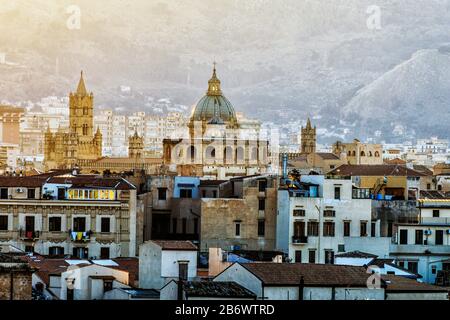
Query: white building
{"x":162,"y":261}
{"x":317,"y":215}
{"x":294,"y":281}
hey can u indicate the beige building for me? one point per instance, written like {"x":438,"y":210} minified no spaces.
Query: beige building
{"x":241,"y":214}
{"x":59,"y":213}
{"x":359,"y":153}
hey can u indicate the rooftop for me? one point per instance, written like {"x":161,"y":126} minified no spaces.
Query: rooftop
{"x":319,"y":275}
{"x":216,"y":289}
{"x":375,"y":170}
{"x":356,"y":254}
{"x":175,"y":245}
{"x":397,"y":284}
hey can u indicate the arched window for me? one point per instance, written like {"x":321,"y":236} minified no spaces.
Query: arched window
{"x":349,"y":153}
{"x":85,"y":129}
{"x":240,"y":154}
{"x":228,"y":154}
{"x":363,"y":154}
{"x":210,"y":153}
{"x":370,"y":153}
{"x":354,"y":153}
{"x":377,"y":154}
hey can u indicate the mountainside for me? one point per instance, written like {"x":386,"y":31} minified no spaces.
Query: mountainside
{"x":291,"y":58}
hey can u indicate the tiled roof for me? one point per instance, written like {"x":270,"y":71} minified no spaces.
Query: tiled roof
{"x":356,"y":254}
{"x":46,"y":267}
{"x":93,"y":181}
{"x":143,"y":293}
{"x":216,"y":289}
{"x":130,"y":265}
{"x":25,"y":182}
{"x":423,"y":169}
{"x":257,"y":255}
{"x":401,"y":284}
{"x":321,"y":275}
{"x":381,"y":262}
{"x":434,"y":194}
{"x":375,"y":170}
{"x":327,"y":156}
{"x":176,"y":245}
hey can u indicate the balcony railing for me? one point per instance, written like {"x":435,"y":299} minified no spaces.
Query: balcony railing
{"x":299,"y":239}
{"x":29,"y":235}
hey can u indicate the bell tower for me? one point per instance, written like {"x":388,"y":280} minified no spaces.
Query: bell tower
{"x":81,"y":112}
{"x":308,"y":139}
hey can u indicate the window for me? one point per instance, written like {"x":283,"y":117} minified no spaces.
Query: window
{"x":298,"y":256}
{"x":363,"y":228}
{"x":31,"y":193}
{"x":403,"y":236}
{"x":106,"y":225}
{"x":80,"y":253}
{"x":29,"y":249}
{"x":203,"y":193}
{"x":439,"y":237}
{"x":341,"y":248}
{"x":107,"y":285}
{"x":262,"y":204}
{"x":433,"y":269}
{"x":413,"y":266}
{"x":312,"y":256}
{"x":435,"y":213}
{"x":79,"y":224}
{"x":299,"y":212}
{"x":329,"y":213}
{"x":428,"y":186}
{"x":419,"y":237}
{"x":174,"y":225}
{"x":162,"y":193}
{"x":184,"y":225}
{"x":261,"y":227}
{"x":56,"y":251}
{"x":104,"y":253}
{"x":4,"y":193}
{"x":29,"y":223}
{"x":390,"y":229}
{"x":373,"y":229}
{"x":401,"y":264}
{"x":3,"y":223}
{"x":214,"y":193}
{"x":313,"y":228}
{"x":299,"y":229}
{"x":186,"y":193}
{"x":328,"y":229}
{"x":237,"y":230}
{"x":329,"y":256}
{"x":347,"y":228}
{"x":337,"y":193}
{"x":54,"y":224}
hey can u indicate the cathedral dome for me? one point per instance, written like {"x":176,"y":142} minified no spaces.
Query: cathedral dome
{"x":214,"y":107}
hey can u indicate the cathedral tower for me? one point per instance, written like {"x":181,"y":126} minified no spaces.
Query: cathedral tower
{"x":308,"y":139}
{"x":81,"y":112}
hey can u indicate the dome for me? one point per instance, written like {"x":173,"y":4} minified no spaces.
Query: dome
{"x":214,"y":106}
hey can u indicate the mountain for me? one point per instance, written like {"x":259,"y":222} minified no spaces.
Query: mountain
{"x":280,"y":60}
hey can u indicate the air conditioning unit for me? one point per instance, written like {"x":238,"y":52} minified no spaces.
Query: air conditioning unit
{"x":19,"y":190}
{"x":427,"y":232}
{"x":448,"y":231}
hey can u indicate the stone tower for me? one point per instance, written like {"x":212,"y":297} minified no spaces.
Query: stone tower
{"x":308,"y":139}
{"x":135,"y":146}
{"x":81,"y":112}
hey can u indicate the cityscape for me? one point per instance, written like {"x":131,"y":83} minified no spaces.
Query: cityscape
{"x":202,"y":198}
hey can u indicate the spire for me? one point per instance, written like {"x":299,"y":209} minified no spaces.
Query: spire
{"x":214,"y":84}
{"x":81,"y":90}
{"x":308,"y":124}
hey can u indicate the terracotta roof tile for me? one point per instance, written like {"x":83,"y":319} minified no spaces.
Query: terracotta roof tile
{"x":176,"y":245}
{"x":402,"y":284}
{"x":375,"y":170}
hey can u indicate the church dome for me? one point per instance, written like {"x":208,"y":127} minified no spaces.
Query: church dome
{"x":214,"y":107}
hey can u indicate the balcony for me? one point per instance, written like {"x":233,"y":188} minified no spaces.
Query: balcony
{"x":299,"y":239}
{"x":79,"y":236}
{"x":29,"y":235}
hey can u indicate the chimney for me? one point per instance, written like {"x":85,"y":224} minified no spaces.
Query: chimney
{"x":182,"y":276}
{"x":301,"y":288}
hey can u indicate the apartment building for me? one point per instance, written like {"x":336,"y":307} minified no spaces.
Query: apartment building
{"x":317,"y":216}
{"x":69,"y":214}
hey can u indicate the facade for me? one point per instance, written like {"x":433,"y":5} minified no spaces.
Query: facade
{"x":318,"y":215}
{"x":10,"y":118}
{"x":218,"y":146}
{"x":63,"y":149}
{"x":240,"y":216}
{"x":161,"y":261}
{"x":360,"y":153}
{"x":63,"y":214}
{"x":15,"y":277}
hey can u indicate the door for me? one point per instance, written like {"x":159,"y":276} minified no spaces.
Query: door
{"x":439,"y":237}
{"x":61,"y":193}
{"x":298,"y":256}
